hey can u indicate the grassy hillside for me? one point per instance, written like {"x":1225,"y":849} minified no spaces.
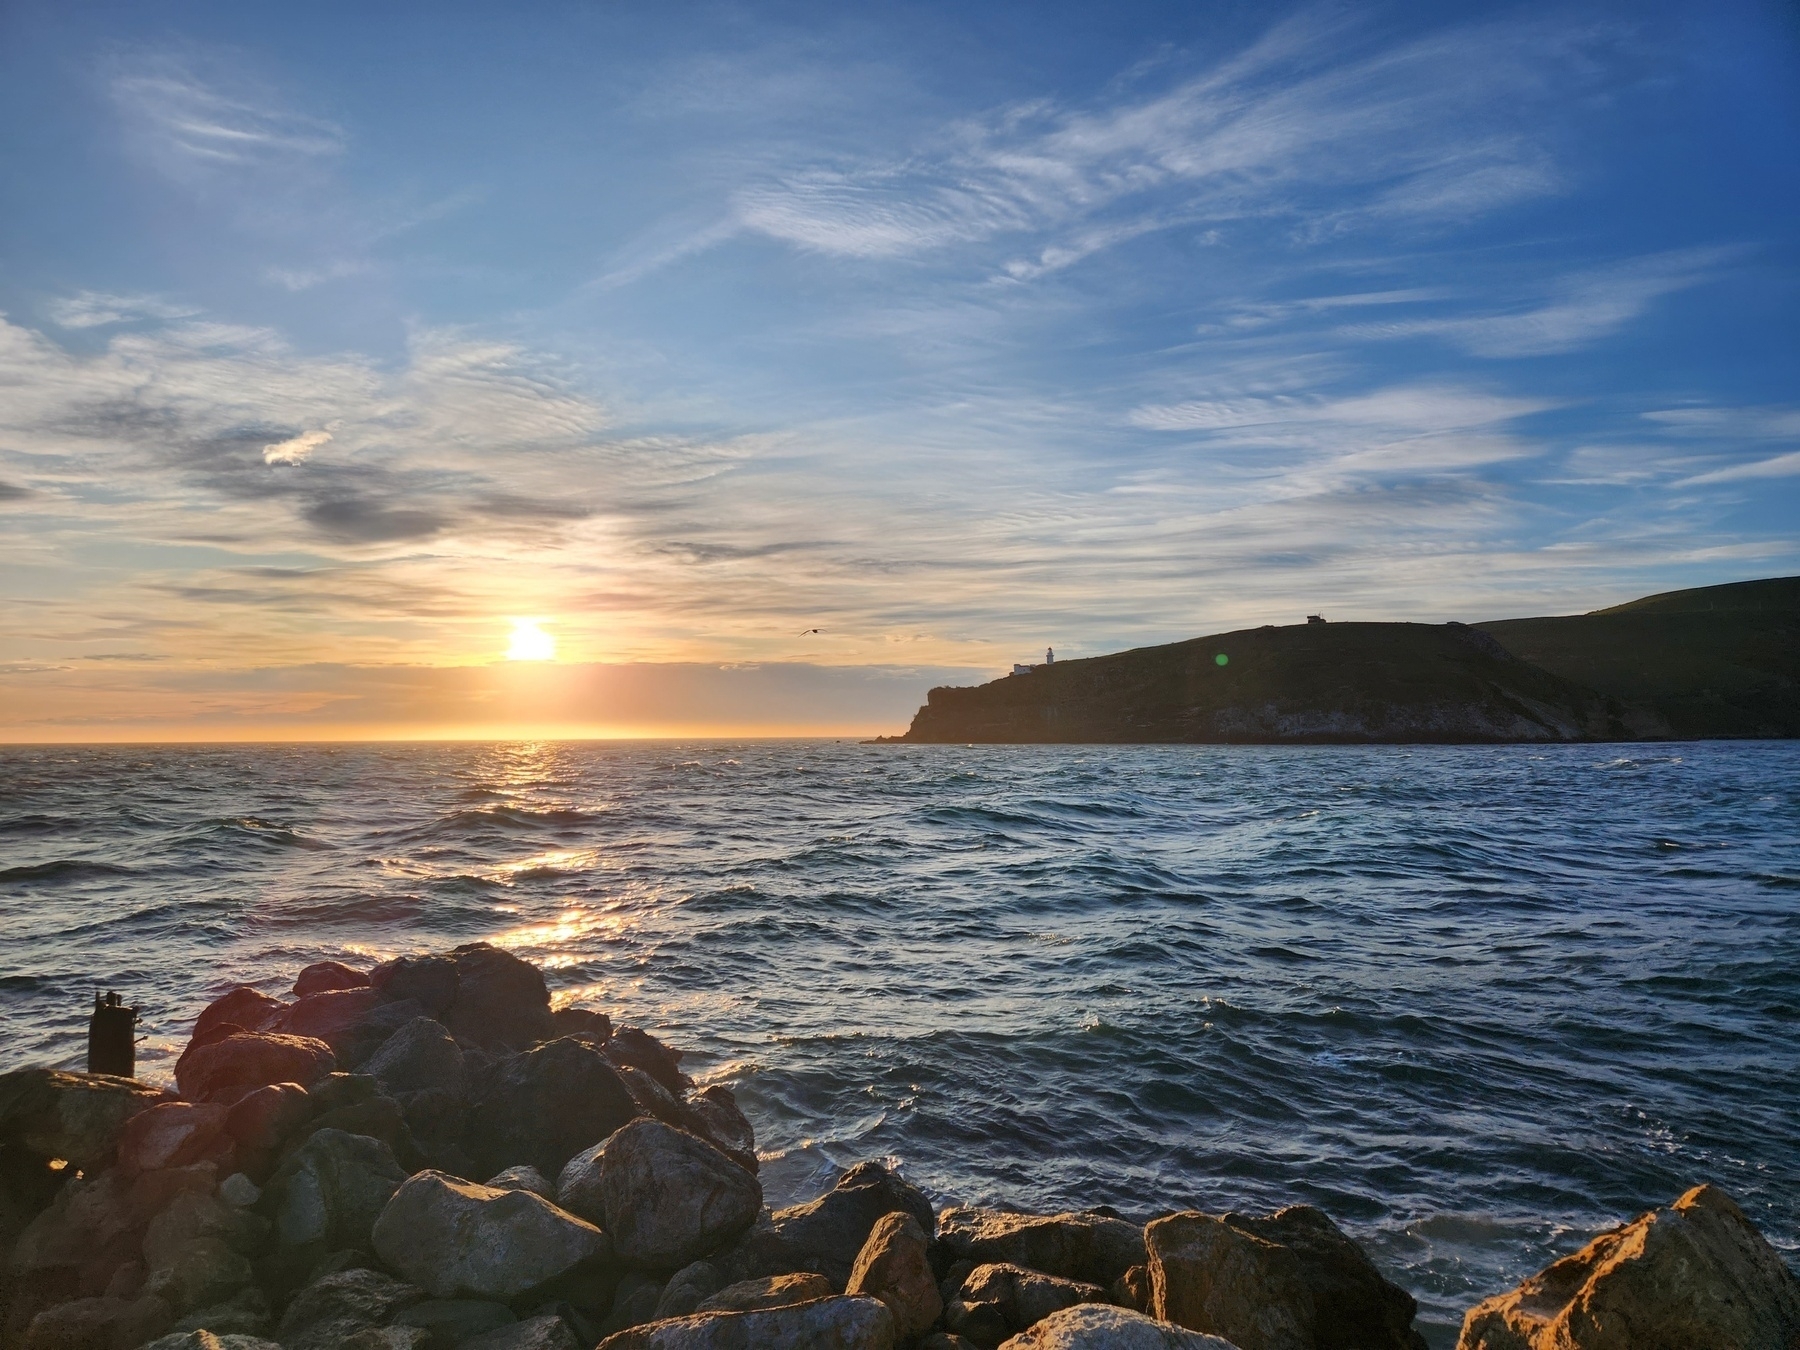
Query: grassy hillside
{"x":1717,"y":661}
{"x":1310,"y":683}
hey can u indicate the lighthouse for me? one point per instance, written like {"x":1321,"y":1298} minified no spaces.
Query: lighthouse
{"x":1049,"y":656}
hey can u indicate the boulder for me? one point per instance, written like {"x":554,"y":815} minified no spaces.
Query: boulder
{"x":670,"y":1198}
{"x":687,"y":1288}
{"x":241,"y":1007}
{"x":429,"y":981}
{"x":261,"y":1121}
{"x":328,"y":1195}
{"x":77,"y":1117}
{"x":196,"y":1251}
{"x":1208,"y":1275}
{"x":1001,"y":1299}
{"x":544,"y":1106}
{"x":388,"y":1338}
{"x":337,"y":1090}
{"x":1132,"y":1289}
{"x":501,"y":1001}
{"x":331,"y":1310}
{"x":97,"y":1324}
{"x":584,"y":1024}
{"x":1694,"y":1276}
{"x":1092,"y":1248}
{"x":332,"y":1016}
{"x":652,"y":1098}
{"x":174,"y":1134}
{"x":238,"y":1191}
{"x":634,"y":1301}
{"x":712,"y":1113}
{"x":438,"y":1121}
{"x":771,"y":1291}
{"x":827,"y":1234}
{"x":377,"y":1118}
{"x":524,"y":1177}
{"x":363,"y":1038}
{"x":450,"y":1322}
{"x":640,"y":1050}
{"x":454,"y":1238}
{"x":94,"y":1227}
{"x":245,"y":1314}
{"x":824,"y":1324}
{"x":206,"y":1340}
{"x":895,"y":1267}
{"x":1354,"y":1308}
{"x":578,"y":1184}
{"x":251,"y":1059}
{"x":421,"y":1055}
{"x":322,"y":976}
{"x":534,"y":1333}
{"x":1094,"y":1326}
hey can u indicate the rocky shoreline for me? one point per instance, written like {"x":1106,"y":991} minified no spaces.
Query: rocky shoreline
{"x":426,"y":1156}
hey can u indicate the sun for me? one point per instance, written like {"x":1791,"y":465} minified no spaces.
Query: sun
{"x":530,"y":643}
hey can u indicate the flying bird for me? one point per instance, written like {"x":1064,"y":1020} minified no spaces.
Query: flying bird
{"x":811,"y":631}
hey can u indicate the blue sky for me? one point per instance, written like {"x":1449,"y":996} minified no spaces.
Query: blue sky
{"x":337,"y":337}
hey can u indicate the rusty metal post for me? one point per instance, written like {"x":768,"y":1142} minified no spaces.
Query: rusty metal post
{"x":112,"y":1037}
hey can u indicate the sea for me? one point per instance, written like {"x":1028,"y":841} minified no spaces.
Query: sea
{"x":1476,"y":1003}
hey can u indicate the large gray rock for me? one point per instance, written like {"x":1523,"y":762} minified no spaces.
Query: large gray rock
{"x":825,"y":1235}
{"x":578,"y":1184}
{"x":895,"y":1267}
{"x":524,"y":1177}
{"x":429,"y":981}
{"x":1208,"y":1275}
{"x":330,"y":1192}
{"x":1093,"y":1248}
{"x":687,"y":1289}
{"x":1000,"y":1299}
{"x":245,"y":1314}
{"x":420,"y":1056}
{"x":1095,"y":1326}
{"x":713,"y":1114}
{"x":501,"y":1003}
{"x":96,"y":1324}
{"x":824,"y":1324}
{"x":534,"y":1333}
{"x":1694,"y":1276}
{"x":671,"y":1198}
{"x":545,"y":1106}
{"x":331,"y":1310}
{"x":448,"y":1322}
{"x":456,"y":1238}
{"x":74,"y":1116}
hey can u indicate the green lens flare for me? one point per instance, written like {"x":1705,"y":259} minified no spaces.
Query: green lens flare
{"x":1221,"y":660}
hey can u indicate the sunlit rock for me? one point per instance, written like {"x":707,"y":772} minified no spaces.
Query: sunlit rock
{"x":1694,"y":1276}
{"x":1095,"y":1326}
{"x":836,"y":1323}
{"x":894,"y":1266}
{"x":251,"y":1060}
{"x":1093,"y":1248}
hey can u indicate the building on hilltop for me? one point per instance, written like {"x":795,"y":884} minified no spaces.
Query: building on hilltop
{"x":1315,"y":618}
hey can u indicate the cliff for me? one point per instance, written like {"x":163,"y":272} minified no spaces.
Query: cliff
{"x":1718,"y":661}
{"x":1722,"y":661}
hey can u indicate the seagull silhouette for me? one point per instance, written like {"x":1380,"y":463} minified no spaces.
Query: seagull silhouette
{"x":812,"y":630}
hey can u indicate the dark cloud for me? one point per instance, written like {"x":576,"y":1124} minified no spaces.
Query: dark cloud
{"x":360,"y":520}
{"x":13,"y":492}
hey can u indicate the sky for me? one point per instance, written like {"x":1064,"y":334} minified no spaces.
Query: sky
{"x":778,"y":362}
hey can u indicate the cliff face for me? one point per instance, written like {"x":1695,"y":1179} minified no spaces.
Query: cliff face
{"x":1718,"y":661}
{"x":1309,"y":683}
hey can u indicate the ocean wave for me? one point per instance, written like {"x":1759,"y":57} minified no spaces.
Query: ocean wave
{"x":64,"y":869}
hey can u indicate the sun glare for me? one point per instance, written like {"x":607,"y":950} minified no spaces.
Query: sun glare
{"x":530,"y":643}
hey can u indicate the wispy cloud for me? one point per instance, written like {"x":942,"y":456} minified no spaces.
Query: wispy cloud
{"x":188,"y":124}
{"x":98,"y":309}
{"x":1306,"y":125}
{"x":1581,"y":308}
